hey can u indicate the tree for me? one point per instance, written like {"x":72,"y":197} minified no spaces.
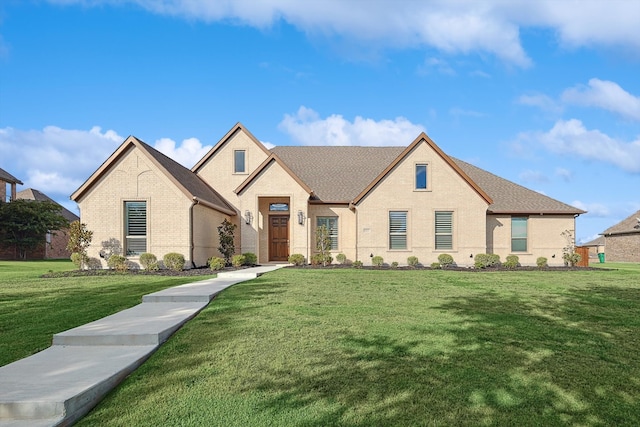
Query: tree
{"x":79,"y":241}
{"x":25,"y":223}
{"x":323,"y":243}
{"x":227,"y":245}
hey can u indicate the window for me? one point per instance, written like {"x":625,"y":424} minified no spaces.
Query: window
{"x":331,"y":222}
{"x":278,"y":207}
{"x":239,"y":161}
{"x":421,"y":177}
{"x":444,"y":230}
{"x":397,"y":230}
{"x":518,"y":234}
{"x":135,"y":227}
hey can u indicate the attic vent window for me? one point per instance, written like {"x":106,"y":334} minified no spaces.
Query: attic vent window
{"x":279,"y":207}
{"x":239,"y":161}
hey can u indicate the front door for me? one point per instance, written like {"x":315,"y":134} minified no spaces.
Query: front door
{"x":279,"y":238}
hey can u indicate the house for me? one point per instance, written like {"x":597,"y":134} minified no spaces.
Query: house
{"x":622,"y":241}
{"x":394,"y":202}
{"x":6,"y":179}
{"x":595,"y":246}
{"x":56,"y":241}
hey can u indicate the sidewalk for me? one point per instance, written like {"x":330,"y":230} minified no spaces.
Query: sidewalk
{"x":59,"y":385}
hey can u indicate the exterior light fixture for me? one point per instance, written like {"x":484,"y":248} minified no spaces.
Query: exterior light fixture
{"x":247,"y":217}
{"x":300,"y":217}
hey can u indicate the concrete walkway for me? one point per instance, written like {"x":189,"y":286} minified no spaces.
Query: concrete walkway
{"x":59,"y":385}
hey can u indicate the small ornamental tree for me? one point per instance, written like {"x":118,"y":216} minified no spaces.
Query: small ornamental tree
{"x":25,"y":223}
{"x":569,"y":254}
{"x":79,"y":241}
{"x":323,"y":243}
{"x":227,"y":245}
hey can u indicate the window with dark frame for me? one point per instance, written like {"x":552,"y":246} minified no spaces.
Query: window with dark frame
{"x":398,"y":230}
{"x":421,"y":177}
{"x":135,"y":228}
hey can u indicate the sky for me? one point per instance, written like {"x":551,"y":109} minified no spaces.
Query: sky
{"x":544,"y":93}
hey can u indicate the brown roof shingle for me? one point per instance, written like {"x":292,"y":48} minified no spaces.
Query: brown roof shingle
{"x":631,"y":224}
{"x":7,"y":177}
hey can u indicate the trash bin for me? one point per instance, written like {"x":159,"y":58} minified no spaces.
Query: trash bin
{"x":601,"y":257}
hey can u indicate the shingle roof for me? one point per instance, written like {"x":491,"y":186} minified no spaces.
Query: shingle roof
{"x":32,"y":194}
{"x":7,"y":177}
{"x":339,"y":174}
{"x":191,"y":182}
{"x":630,"y":224}
{"x":598,"y":241}
{"x":509,"y":197}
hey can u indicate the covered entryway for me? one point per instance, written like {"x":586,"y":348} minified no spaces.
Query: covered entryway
{"x":278,"y":237}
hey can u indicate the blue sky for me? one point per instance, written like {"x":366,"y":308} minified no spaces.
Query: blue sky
{"x":543,"y":93}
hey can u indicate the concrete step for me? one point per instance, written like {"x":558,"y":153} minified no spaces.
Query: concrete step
{"x":61,"y":384}
{"x":144,"y":324}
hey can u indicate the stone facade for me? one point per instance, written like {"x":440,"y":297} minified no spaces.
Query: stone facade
{"x":622,"y":247}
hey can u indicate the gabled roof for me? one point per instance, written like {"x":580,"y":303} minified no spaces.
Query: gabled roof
{"x":598,"y":241}
{"x":631,"y":224}
{"x":7,"y":177}
{"x":273,"y":158}
{"x":188,"y":182}
{"x":234,"y":130}
{"x":32,"y":194}
{"x":511,"y":198}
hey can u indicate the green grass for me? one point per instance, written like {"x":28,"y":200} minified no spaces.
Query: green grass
{"x":398,"y":348}
{"x":32,"y":309}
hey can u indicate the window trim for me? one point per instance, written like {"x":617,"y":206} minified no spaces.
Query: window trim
{"x":244,"y":162}
{"x":126,"y":229}
{"x":526,"y":234}
{"x":450,"y":233}
{"x":391,"y":233}
{"x":335,"y":236}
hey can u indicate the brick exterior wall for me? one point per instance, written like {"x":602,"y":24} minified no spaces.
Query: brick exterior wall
{"x":622,"y":248}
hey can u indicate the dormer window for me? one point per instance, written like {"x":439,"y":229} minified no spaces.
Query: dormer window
{"x":239,"y":161}
{"x":422,"y":177}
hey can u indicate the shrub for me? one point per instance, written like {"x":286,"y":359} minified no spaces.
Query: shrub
{"x":394,"y":264}
{"x":571,"y":258}
{"x":486,"y":260}
{"x":445,"y":260}
{"x":216,"y":263}
{"x":541,"y":262}
{"x":357,"y":264}
{"x":94,"y":264}
{"x":250,"y":258}
{"x":174,"y":261}
{"x":377,"y":261}
{"x":79,"y":242}
{"x":512,"y":261}
{"x":78,"y":259}
{"x":237,"y":260}
{"x":412,"y":261}
{"x":227,"y":244}
{"x":296,"y":259}
{"x":320,"y":259}
{"x":341,"y":258}
{"x":117,"y":262}
{"x":436,"y":265}
{"x":149,"y":261}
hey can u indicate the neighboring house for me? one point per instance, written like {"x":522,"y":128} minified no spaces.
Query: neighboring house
{"x":57,"y":240}
{"x":622,"y":241}
{"x":6,"y":179}
{"x":596,"y":246}
{"x":394,"y":202}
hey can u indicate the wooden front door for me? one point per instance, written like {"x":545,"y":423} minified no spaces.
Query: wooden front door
{"x":279,"y":238}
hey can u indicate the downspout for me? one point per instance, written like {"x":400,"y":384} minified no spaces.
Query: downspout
{"x":193,"y":203}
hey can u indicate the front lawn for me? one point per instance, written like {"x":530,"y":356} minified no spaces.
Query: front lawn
{"x":398,"y":348}
{"x":32,"y":309}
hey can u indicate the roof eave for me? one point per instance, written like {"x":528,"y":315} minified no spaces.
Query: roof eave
{"x":272,"y":158}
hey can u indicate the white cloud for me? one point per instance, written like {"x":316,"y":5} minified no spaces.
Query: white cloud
{"x":593,"y":209}
{"x":54,"y":160}
{"x":187,"y":154}
{"x":571,"y":137}
{"x":544,"y":102}
{"x":307,"y":128}
{"x":607,"y":95}
{"x":565,"y":174}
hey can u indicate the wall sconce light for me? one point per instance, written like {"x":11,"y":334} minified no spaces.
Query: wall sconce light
{"x":553,"y":256}
{"x":247,"y":217}
{"x":300,"y":217}
{"x":471,"y":256}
